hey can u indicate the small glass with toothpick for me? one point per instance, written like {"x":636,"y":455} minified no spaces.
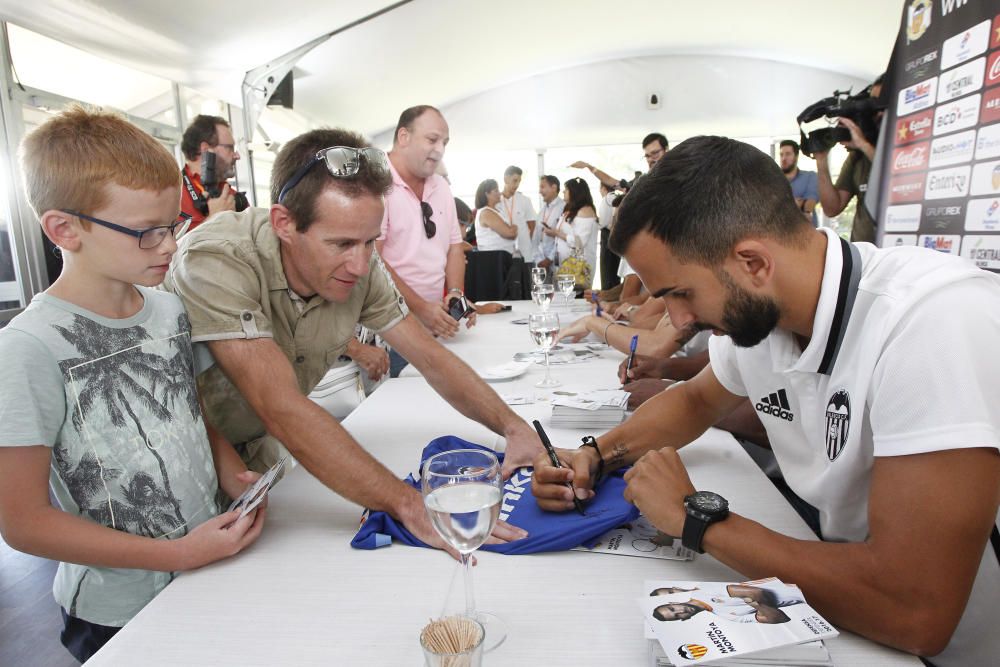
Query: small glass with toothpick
{"x":453,"y":641}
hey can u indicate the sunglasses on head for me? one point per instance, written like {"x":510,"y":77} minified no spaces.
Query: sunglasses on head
{"x":341,"y":162}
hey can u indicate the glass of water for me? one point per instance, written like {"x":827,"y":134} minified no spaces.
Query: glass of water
{"x":544,"y":328}
{"x":542,"y":296}
{"x":462,"y":492}
{"x":538,"y":275}
{"x":566,"y":285}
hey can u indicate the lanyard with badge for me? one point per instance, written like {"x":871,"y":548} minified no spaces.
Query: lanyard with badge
{"x":509,"y":208}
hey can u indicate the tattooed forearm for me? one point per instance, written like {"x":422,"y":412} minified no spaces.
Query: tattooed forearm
{"x":618,"y":453}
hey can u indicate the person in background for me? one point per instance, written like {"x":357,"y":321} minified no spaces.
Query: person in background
{"x":577,"y":228}
{"x":208,"y":134}
{"x":804,"y":186}
{"x":493,"y":231}
{"x":517,"y":210}
{"x":552,"y":210}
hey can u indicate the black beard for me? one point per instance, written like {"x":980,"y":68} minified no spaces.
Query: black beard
{"x":789,"y":170}
{"x":748,"y":319}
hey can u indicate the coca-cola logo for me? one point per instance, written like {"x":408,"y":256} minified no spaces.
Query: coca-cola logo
{"x":993,"y":70}
{"x":908,"y":159}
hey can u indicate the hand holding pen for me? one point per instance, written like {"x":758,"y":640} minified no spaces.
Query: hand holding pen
{"x":631,"y":357}
{"x":555,"y":462}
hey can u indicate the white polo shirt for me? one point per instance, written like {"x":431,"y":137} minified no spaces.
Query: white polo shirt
{"x":518,"y":209}
{"x":903,"y":360}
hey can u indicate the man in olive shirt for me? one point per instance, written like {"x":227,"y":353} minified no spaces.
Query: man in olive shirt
{"x":275,"y":294}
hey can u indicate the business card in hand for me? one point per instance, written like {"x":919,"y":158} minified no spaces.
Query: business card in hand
{"x":256,"y":493}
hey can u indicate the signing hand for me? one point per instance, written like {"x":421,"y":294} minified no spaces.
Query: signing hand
{"x":575,"y":332}
{"x":641,"y":391}
{"x":548,"y":483}
{"x":642,"y":367}
{"x":657,"y":485}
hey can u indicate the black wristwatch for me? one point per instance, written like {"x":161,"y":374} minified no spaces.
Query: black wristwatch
{"x":703,"y":509}
{"x":591,"y":441}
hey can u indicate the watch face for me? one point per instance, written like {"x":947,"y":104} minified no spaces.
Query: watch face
{"x":708,"y":502}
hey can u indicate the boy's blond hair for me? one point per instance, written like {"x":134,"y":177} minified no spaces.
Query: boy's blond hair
{"x":68,"y":161}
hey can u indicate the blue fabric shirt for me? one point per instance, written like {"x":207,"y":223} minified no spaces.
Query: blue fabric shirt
{"x":547,"y":531}
{"x":805,"y":186}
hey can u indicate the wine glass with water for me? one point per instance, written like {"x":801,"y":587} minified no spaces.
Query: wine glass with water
{"x":542,"y":295}
{"x":566,"y":285}
{"x":462,"y":493}
{"x":538,"y":275}
{"x":544,"y":328}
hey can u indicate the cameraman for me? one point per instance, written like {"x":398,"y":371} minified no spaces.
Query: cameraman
{"x":208,"y":134}
{"x":853,"y":179}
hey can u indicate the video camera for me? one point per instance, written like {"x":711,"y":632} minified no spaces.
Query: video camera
{"x":210,"y":180}
{"x":861,"y":108}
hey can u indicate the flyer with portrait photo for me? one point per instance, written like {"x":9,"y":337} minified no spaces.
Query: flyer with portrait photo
{"x":702,"y":621}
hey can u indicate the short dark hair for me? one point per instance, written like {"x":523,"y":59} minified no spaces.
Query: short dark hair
{"x":301,"y":200}
{"x":511,"y":171}
{"x":407,"y":118}
{"x":658,"y":615}
{"x":706,"y":195}
{"x":789,"y":142}
{"x":202,"y":128}
{"x":656,"y":136}
{"x":489,"y":185}
{"x":551,"y":180}
{"x":463,"y":211}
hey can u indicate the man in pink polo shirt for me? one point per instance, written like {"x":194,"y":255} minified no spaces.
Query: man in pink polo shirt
{"x":421,"y":243}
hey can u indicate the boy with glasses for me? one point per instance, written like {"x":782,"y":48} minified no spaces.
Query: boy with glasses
{"x":98,"y":398}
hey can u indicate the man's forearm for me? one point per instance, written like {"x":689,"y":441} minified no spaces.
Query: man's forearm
{"x":454,"y":270}
{"x":829,"y":196}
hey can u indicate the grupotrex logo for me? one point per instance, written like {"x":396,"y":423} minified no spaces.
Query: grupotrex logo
{"x":691,"y":651}
{"x":776,"y":404}
{"x":838,"y":423}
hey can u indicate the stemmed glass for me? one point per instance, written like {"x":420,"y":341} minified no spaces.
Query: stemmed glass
{"x":542,"y":296}
{"x":462,"y":492}
{"x":544,"y":328}
{"x":538,"y":275}
{"x":566,"y":285}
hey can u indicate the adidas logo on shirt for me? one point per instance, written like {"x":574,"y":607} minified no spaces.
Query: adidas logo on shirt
{"x":775,"y":404}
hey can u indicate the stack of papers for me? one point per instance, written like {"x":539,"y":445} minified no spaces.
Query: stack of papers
{"x":640,"y":538}
{"x":763,"y":622}
{"x":592,"y":409}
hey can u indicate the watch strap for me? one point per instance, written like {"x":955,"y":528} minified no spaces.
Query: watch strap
{"x":694,"y":532}
{"x":591,"y":441}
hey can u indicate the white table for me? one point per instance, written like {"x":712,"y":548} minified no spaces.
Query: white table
{"x":302,"y":596}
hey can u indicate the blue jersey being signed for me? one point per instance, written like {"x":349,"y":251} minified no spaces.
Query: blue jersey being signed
{"x":547,"y":531}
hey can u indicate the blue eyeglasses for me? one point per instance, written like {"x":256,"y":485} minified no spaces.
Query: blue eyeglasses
{"x":341,"y":162}
{"x":148,"y":238}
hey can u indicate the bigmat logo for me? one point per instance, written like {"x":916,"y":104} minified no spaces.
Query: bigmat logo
{"x":906,"y":188}
{"x":983,"y":215}
{"x":983,"y":250}
{"x":953,"y":149}
{"x":957,"y":115}
{"x":953,"y":182}
{"x":990,"y":113}
{"x":916,"y":97}
{"x":961,"y":81}
{"x":916,"y":127}
{"x":940,"y":242}
{"x":904,"y":218}
{"x":965,"y":45}
{"x":993,"y":69}
{"x":910,"y":158}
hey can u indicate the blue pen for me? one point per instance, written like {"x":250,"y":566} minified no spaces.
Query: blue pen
{"x":597,"y":302}
{"x":631,"y":355}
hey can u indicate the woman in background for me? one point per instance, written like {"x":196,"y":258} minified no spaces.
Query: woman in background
{"x":578,"y":225}
{"x":492,"y":231}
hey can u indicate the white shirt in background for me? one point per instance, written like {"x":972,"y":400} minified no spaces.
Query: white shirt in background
{"x":549,"y":215}
{"x":487,"y":239}
{"x":518,"y":209}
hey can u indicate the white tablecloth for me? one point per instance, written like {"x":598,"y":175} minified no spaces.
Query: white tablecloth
{"x":302,"y":596}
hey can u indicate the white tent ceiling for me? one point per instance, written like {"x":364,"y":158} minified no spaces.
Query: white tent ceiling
{"x":444,"y":51}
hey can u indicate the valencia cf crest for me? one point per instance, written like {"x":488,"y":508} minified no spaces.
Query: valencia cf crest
{"x":918,"y":19}
{"x":692,"y":651}
{"x":838,"y":423}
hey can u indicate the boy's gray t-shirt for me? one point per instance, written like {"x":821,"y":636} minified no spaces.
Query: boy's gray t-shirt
{"x":116,"y":401}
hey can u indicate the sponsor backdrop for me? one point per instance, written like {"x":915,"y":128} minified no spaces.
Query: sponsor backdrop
{"x":940,"y":177}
